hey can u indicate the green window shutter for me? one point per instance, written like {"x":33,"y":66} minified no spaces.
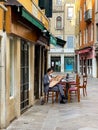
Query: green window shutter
{"x":48,"y":8}
{"x":47,"y":5}
{"x":53,"y":40}
{"x":42,"y":4}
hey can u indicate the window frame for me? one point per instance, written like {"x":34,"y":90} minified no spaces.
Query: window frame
{"x":59,"y":27}
{"x":70,"y":12}
{"x":70,"y":46}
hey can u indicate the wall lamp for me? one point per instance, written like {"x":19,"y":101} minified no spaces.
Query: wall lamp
{"x":3,"y":7}
{"x":44,"y":32}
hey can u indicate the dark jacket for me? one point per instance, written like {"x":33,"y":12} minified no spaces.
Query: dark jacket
{"x":46,"y":83}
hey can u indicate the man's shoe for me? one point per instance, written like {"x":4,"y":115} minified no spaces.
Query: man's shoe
{"x":63,"y":101}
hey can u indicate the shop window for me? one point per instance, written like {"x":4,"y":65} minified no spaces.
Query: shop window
{"x":56,"y":63}
{"x":69,"y":64}
{"x":89,"y":66}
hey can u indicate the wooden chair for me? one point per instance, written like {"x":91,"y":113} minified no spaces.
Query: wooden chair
{"x":51,"y":94}
{"x":74,"y":89}
{"x":84,"y":85}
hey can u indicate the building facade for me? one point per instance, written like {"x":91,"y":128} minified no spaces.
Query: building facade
{"x":96,"y":37}
{"x":23,"y":56}
{"x":62,"y":25}
{"x":85,"y":53}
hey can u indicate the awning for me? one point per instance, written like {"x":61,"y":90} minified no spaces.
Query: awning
{"x":26,"y":14}
{"x":53,"y":40}
{"x":56,"y":41}
{"x":85,"y":50}
{"x":60,"y":42}
{"x":32,"y":19}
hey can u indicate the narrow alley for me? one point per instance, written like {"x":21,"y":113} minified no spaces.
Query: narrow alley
{"x":69,"y":116}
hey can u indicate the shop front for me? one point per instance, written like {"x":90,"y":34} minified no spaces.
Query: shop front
{"x":86,"y":61}
{"x":22,"y":57}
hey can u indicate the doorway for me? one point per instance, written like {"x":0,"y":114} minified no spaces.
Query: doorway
{"x":56,"y":64}
{"x":24,"y":76}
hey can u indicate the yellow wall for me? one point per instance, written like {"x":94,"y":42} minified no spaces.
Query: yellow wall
{"x":35,"y":1}
{"x":1,"y":19}
{"x":27,"y":4}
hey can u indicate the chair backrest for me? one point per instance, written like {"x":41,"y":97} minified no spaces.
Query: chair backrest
{"x":77,"y":78}
{"x":77,"y":81}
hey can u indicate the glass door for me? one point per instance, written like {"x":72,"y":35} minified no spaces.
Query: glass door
{"x":69,"y":64}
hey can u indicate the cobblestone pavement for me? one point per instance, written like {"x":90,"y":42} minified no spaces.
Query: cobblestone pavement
{"x":69,"y":116}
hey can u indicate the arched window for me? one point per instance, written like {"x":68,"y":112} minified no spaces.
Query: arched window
{"x":58,"y":22}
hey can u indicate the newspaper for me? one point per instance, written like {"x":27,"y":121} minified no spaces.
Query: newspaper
{"x":56,"y":80}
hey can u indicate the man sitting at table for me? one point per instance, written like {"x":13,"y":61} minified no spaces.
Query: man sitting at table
{"x":48,"y":81}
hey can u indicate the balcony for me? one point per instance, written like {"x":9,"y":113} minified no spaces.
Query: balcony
{"x":58,"y":8}
{"x":88,"y":15}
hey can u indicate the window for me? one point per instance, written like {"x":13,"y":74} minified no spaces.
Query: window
{"x":86,"y":35}
{"x":89,"y":4}
{"x":97,"y":32}
{"x":80,"y":14}
{"x":68,"y":64}
{"x":80,"y":38}
{"x":97,"y":4}
{"x":89,"y":33}
{"x":58,"y":2}
{"x":84,"y":7}
{"x":92,"y":32}
{"x":70,"y":42}
{"x":58,"y":22}
{"x":70,"y":12}
{"x":11,"y":68}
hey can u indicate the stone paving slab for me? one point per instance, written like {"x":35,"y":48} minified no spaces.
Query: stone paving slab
{"x":69,"y":116}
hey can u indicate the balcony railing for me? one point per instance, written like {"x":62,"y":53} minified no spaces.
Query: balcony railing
{"x":88,"y":15}
{"x":58,"y":8}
